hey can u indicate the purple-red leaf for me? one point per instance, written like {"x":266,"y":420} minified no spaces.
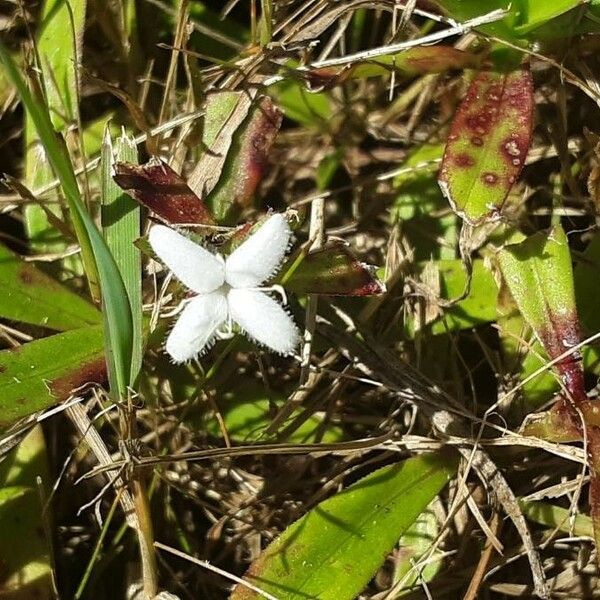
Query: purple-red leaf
{"x":488,"y":143}
{"x":163,"y":191}
{"x":332,"y":271}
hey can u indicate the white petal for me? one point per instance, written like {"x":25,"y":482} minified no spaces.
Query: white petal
{"x":263,"y":319}
{"x":259,"y":257}
{"x":196,"y":326}
{"x":192,"y":264}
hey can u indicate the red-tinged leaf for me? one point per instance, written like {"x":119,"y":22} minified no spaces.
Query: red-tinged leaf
{"x":410,"y":62}
{"x":488,"y":143}
{"x":163,"y":191}
{"x":247,"y":159}
{"x":332,"y":271}
{"x":44,"y":372}
{"x":539,"y":276}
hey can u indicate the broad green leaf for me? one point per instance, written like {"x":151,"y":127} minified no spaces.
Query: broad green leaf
{"x":331,"y":271}
{"x":536,"y":13}
{"x":488,"y":143}
{"x":478,"y":307}
{"x":336,"y":548}
{"x":224,"y":117}
{"x":306,"y":108}
{"x":31,"y":296}
{"x":26,"y":564}
{"x":247,"y":412}
{"x":59,"y":40}
{"x":523,"y":355}
{"x":43,"y":372}
{"x":121,"y":227}
{"x":539,"y":276}
{"x":98,"y":261}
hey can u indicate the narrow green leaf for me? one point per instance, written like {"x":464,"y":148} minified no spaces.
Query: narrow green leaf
{"x":411,"y":62}
{"x":414,"y":544}
{"x":31,"y":296}
{"x":121,"y":227}
{"x":43,"y":372}
{"x":266,"y":22}
{"x":99,"y":262}
{"x":539,"y":276}
{"x":557,"y":517}
{"x":59,"y":49}
{"x":488,"y":143}
{"x":333,"y":551}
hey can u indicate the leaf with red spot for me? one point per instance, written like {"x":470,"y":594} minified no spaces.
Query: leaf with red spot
{"x":42,"y":373}
{"x":488,"y":143}
{"x":159,"y":188}
{"x":332,"y":271}
{"x":410,"y":62}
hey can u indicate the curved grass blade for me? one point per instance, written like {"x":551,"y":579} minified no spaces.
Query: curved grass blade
{"x":59,"y":41}
{"x":98,"y":261}
{"x":318,"y":555}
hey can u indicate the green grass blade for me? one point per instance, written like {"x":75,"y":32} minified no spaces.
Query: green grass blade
{"x":121,"y":228}
{"x":99,"y":263}
{"x":58,"y":48}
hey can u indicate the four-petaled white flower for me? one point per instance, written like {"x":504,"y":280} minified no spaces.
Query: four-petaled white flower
{"x":228,"y":290}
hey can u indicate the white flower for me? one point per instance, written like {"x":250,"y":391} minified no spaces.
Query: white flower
{"x":227,"y":289}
